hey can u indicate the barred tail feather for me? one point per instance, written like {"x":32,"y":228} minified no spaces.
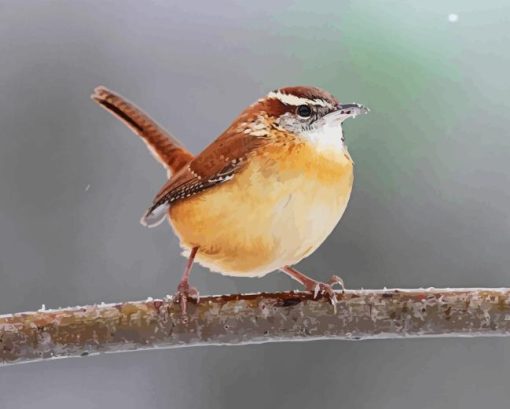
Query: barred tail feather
{"x":165,"y":148}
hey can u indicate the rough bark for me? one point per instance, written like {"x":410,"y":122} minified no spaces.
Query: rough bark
{"x":253,"y":318}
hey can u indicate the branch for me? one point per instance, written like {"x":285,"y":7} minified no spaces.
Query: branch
{"x":253,"y":318}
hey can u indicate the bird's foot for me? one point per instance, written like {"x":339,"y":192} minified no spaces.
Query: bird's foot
{"x":326,"y":289}
{"x":184,"y":294}
{"x":316,"y":287}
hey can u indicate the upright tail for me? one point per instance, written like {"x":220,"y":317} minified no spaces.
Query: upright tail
{"x":165,"y":148}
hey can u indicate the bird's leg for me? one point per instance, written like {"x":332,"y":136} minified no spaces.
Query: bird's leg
{"x":184,"y":291}
{"x":316,"y":287}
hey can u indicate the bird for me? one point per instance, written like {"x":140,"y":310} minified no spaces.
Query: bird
{"x":265,"y":194}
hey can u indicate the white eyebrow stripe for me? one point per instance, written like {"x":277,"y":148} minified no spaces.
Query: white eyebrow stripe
{"x":289,"y":99}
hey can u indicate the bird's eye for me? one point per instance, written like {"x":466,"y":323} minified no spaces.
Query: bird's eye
{"x":304,"y":111}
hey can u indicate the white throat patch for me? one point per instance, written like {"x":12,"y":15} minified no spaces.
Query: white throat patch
{"x":326,"y":138}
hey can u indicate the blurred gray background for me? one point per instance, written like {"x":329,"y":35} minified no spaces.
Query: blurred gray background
{"x":431,"y":204}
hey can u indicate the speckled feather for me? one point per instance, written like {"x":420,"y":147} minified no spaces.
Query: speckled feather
{"x":227,"y":155}
{"x":261,"y":196}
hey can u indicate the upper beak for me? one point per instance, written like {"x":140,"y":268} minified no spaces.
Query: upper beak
{"x":344,"y":111}
{"x":352,"y":110}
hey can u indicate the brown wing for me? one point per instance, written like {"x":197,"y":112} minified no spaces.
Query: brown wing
{"x":165,"y":148}
{"x":217,"y":164}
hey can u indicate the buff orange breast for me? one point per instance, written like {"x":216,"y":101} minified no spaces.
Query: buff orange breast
{"x":264,"y":195}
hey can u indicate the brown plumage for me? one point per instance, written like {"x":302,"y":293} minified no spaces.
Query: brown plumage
{"x":165,"y":148}
{"x":265,"y":194}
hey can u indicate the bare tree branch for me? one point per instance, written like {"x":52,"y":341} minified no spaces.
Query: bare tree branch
{"x":253,"y":318}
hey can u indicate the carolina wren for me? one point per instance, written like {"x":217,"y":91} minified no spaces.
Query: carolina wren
{"x":261,"y":197}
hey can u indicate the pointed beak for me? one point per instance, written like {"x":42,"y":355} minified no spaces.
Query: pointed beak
{"x":352,"y":110}
{"x":344,"y":111}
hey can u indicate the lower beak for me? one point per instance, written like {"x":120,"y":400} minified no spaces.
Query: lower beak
{"x":344,"y":111}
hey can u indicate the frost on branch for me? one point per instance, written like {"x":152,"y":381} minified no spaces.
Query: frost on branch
{"x":253,"y":318}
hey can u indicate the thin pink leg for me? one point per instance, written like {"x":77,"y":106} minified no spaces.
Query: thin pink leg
{"x":315,"y":286}
{"x":189,"y":266}
{"x":307,"y":282}
{"x":184,"y":291}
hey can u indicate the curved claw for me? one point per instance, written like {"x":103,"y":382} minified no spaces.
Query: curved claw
{"x":326,"y":289}
{"x":334,"y":279}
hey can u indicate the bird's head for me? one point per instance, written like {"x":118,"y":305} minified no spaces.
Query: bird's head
{"x":309,"y":113}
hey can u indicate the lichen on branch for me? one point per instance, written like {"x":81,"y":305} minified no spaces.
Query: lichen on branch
{"x":253,"y":318}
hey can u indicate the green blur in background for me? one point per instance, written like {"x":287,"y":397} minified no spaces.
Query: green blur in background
{"x":430,"y":206}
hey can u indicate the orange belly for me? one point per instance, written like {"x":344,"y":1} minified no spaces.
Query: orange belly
{"x":276,"y":211}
